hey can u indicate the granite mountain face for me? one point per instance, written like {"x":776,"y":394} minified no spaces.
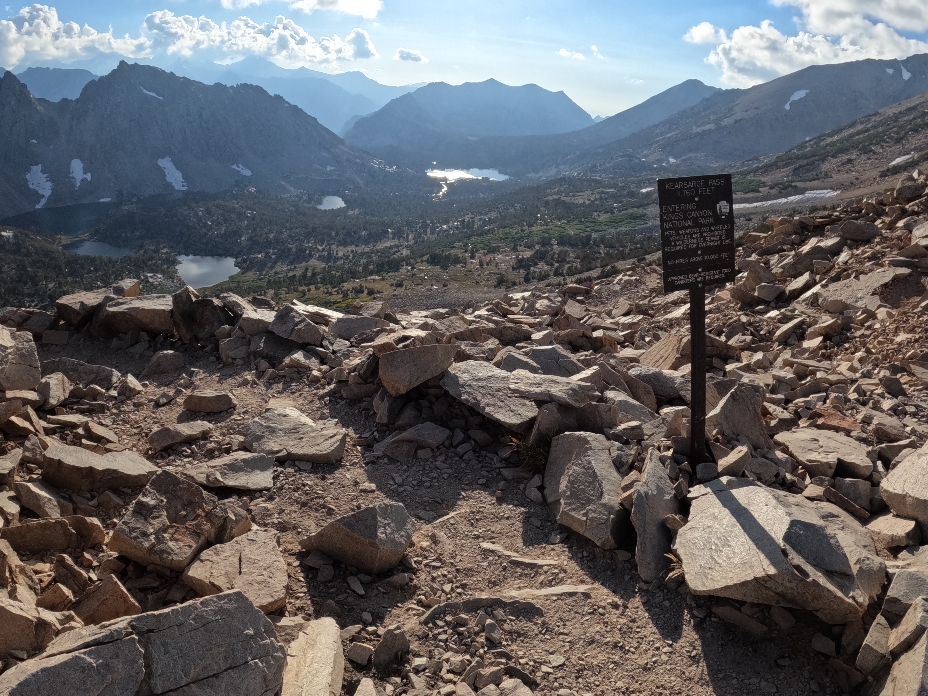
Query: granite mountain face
{"x":142,"y":131}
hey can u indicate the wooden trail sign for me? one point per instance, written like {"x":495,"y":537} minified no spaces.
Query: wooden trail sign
{"x":697,"y":252}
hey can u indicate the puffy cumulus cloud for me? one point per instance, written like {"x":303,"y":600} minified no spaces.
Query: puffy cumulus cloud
{"x":283,"y":39}
{"x":363,"y":8}
{"x":37,"y":33}
{"x":828,"y":31}
{"x":596,"y":53}
{"x":410,"y":55}
{"x":564,"y":53}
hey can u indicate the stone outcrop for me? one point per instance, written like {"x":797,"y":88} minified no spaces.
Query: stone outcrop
{"x":486,"y":389}
{"x":654,"y":500}
{"x":285,"y":433}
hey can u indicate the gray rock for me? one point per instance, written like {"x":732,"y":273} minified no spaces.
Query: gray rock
{"x":738,"y":414}
{"x":42,"y":499}
{"x":905,"y":489}
{"x":755,"y":544}
{"x":372,"y":539}
{"x":197,"y":318}
{"x":77,"y":469}
{"x":555,"y":361}
{"x":79,"y":308}
{"x":84,"y":374}
{"x":551,"y":389}
{"x":287,"y":434}
{"x":292,"y":324}
{"x":907,"y":586}
{"x":170,"y":522}
{"x":149,"y":313}
{"x":178,"y":434}
{"x":909,"y":675}
{"x":404,"y":369}
{"x":209,"y":402}
{"x":105,"y":601}
{"x":392,"y":645}
{"x":629,"y":408}
{"x":272,"y":347}
{"x":242,"y":470}
{"x":19,"y":361}
{"x":425,"y":435}
{"x":858,"y":293}
{"x":857,"y":230}
{"x":164,"y":362}
{"x":663,"y":384}
{"x":583,"y":488}
{"x":874,"y":653}
{"x":347,"y":327}
{"x":654,"y":499}
{"x":486,"y":389}
{"x":251,"y":563}
{"x":315,"y":661}
{"x":889,"y":531}
{"x":53,"y":389}
{"x":821,"y":452}
{"x":216,"y":646}
{"x":910,"y":629}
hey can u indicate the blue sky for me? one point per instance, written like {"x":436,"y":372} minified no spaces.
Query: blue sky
{"x":642,"y":48}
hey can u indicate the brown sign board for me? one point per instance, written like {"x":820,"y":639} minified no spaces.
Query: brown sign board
{"x":697,"y":231}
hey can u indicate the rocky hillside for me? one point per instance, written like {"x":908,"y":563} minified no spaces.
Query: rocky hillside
{"x":441,"y":118}
{"x":492,"y":499}
{"x":142,"y":131}
{"x":737,"y":126}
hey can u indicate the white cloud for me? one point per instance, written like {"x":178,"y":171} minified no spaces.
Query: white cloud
{"x":37,"y":33}
{"x":596,"y":53}
{"x":829,"y":31}
{"x":410,"y":55}
{"x":363,"y":8}
{"x":564,"y":53}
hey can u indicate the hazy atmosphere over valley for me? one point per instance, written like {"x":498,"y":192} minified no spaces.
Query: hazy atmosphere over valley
{"x":393,"y":348}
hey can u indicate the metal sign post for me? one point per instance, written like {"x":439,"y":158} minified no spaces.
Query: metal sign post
{"x":697,"y":252}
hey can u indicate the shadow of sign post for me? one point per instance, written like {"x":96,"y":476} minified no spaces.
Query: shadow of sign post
{"x":697,"y":252}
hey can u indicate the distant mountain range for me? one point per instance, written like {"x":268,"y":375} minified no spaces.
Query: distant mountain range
{"x":141,"y":130}
{"x":332,"y":99}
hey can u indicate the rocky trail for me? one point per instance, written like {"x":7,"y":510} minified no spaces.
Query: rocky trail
{"x":221,"y":496}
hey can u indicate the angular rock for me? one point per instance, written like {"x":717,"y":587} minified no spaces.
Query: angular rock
{"x":909,"y":675}
{"x":251,"y":320}
{"x":251,"y":563}
{"x":287,"y":434}
{"x":424,"y":435}
{"x":663,"y":384}
{"x":84,"y":374}
{"x":654,"y":499}
{"x":56,"y":598}
{"x":164,"y":362}
{"x":170,"y":522}
{"x":293,"y":325}
{"x":857,"y":230}
{"x":105,"y":601}
{"x":858,"y":293}
{"x":197,"y":318}
{"x":215,"y":646}
{"x":19,"y":361}
{"x":910,"y":629}
{"x":583,"y":488}
{"x":43,"y":500}
{"x":555,"y":361}
{"x":77,"y":469}
{"x":209,"y":402}
{"x":178,"y":434}
{"x":739,"y":414}
{"x":822,"y":452}
{"x":392,"y":645}
{"x":629,"y":408}
{"x":315,"y":661}
{"x":16,"y":579}
{"x":756,"y":544}
{"x":486,"y":389}
{"x":874,"y":653}
{"x":372,"y":539}
{"x":150,"y":313}
{"x":78,"y":309}
{"x":551,"y":389}
{"x":905,"y":489}
{"x":242,"y":470}
{"x":404,"y":369}
{"x":27,"y":628}
{"x":53,"y":389}
{"x":347,"y":327}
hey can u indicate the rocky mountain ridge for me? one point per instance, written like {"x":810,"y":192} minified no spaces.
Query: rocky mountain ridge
{"x":141,"y":131}
{"x":360,"y":478}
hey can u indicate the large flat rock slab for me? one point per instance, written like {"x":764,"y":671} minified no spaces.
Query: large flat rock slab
{"x":756,"y":544}
{"x":149,"y":313}
{"x":821,"y":452}
{"x":251,"y":563}
{"x":77,"y":469}
{"x":315,"y":661}
{"x":486,"y":389}
{"x":285,"y":433}
{"x":549,"y":388}
{"x":373,"y":539}
{"x":858,"y":293}
{"x":215,"y":646}
{"x":404,"y":369}
{"x":245,"y":471}
{"x":170,"y":522}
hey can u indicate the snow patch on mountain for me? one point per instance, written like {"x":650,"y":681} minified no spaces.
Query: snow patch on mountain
{"x":150,"y":94}
{"x":242,"y":169}
{"x":796,"y":97}
{"x":40,"y":183}
{"x":77,"y":172}
{"x":172,"y":174}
